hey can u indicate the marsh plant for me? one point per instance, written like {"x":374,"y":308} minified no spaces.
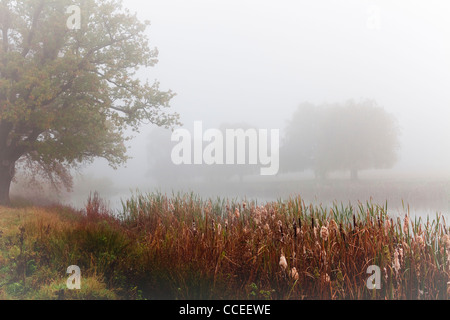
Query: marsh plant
{"x":185,"y":247}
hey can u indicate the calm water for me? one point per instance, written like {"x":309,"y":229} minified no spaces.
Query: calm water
{"x":424,"y":198}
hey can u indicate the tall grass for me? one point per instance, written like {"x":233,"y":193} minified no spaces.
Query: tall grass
{"x":218,"y":249}
{"x":184,"y":247}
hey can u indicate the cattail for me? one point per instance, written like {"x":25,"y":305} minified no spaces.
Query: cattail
{"x":327,"y":278}
{"x":387,"y":227}
{"x":341,"y":231}
{"x":283,"y":263}
{"x":244,"y":205}
{"x":406,"y":224}
{"x":324,"y":233}
{"x":333,"y":225}
{"x":280,"y":226}
{"x":219,"y":229}
{"x":446,"y":241}
{"x":323,"y":254}
{"x":213,"y":225}
{"x":194,"y":228}
{"x":257,"y":218}
{"x":396,"y":264}
{"x":294,"y":273}
{"x":419,"y":241}
{"x":294,"y":227}
{"x":237,"y":213}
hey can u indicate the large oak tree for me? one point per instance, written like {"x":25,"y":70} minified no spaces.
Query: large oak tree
{"x":352,"y":136}
{"x":68,"y":96}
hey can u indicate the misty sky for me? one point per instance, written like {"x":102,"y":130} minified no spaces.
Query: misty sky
{"x":256,"y":61}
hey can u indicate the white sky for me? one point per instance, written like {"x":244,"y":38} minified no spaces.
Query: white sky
{"x":255,"y":61}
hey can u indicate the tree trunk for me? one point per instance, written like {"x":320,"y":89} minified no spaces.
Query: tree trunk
{"x":354,"y":174}
{"x":6,"y":176}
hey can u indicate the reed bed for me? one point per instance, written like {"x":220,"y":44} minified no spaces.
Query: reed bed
{"x":184,"y":247}
{"x":288,"y":250}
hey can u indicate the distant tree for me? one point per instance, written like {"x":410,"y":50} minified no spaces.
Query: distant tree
{"x":353,"y":136}
{"x":304,"y":141}
{"x":166,"y":172}
{"x":225,"y":172}
{"x":161,"y":168}
{"x":67,"y":96}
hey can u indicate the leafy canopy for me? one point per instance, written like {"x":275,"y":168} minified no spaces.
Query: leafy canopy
{"x":69,"y":96}
{"x":337,"y":137}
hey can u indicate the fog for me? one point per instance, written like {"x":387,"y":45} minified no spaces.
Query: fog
{"x":255,"y":62}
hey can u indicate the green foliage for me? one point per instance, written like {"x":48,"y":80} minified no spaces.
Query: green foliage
{"x":68,"y":98}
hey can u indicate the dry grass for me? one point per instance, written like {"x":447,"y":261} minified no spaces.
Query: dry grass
{"x":182,"y":247}
{"x":235,"y":249}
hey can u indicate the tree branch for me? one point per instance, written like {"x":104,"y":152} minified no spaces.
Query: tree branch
{"x":33,"y":27}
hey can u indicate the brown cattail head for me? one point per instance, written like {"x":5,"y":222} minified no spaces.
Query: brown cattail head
{"x":333,"y":225}
{"x":396,"y":264}
{"x":194,"y":228}
{"x":294,"y":274}
{"x":387,"y":227}
{"x":341,"y":231}
{"x":406,"y":225}
{"x":283,"y":263}
{"x":420,"y":242}
{"x":324,"y":233}
{"x":294,"y":227}
{"x":446,"y":241}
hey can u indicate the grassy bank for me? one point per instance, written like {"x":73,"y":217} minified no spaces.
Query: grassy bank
{"x":183,"y":247}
